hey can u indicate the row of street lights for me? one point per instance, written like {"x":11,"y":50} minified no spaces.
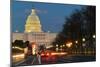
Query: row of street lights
{"x":70,"y":43}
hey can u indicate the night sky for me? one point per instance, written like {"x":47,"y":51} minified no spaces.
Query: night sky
{"x":52,"y":16}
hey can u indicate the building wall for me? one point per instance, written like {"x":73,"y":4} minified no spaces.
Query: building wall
{"x":19,"y":36}
{"x":40,"y":38}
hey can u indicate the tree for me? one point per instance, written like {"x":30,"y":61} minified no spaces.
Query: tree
{"x":80,"y":24}
{"x":19,"y":43}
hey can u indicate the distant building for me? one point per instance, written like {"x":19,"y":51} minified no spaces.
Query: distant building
{"x":33,"y":23}
{"x":33,"y":32}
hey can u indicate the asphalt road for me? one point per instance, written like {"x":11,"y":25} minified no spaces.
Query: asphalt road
{"x":55,"y":60}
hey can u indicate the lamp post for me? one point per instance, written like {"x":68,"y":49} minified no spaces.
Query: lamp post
{"x":57,"y":47}
{"x":94,"y":42}
{"x":69,"y":45}
{"x":84,"y":45}
{"x":76,"y":42}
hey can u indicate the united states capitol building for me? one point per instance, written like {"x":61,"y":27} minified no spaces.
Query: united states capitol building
{"x":33,"y":32}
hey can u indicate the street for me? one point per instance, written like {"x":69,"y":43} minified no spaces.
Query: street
{"x":54,"y":59}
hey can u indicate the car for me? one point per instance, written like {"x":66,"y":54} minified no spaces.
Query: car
{"x":45,"y":53}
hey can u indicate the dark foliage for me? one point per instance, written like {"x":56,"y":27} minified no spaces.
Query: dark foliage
{"x":80,"y":24}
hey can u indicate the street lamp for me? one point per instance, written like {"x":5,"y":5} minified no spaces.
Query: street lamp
{"x":94,"y":36}
{"x":57,"y":49}
{"x":69,"y":45}
{"x":56,"y":45}
{"x":63,"y":45}
{"x":83,"y":39}
{"x":76,"y":42}
{"x":83,"y":44}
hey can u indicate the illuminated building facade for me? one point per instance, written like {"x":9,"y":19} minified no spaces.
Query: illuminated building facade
{"x":33,"y":23}
{"x":33,"y":32}
{"x":40,"y":38}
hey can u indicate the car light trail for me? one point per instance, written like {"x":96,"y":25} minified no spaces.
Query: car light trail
{"x":47,"y":54}
{"x":20,"y":55}
{"x":62,"y":53}
{"x":42,"y":54}
{"x":18,"y":48}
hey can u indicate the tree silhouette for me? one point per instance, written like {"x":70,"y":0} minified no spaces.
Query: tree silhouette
{"x":19,"y":43}
{"x":81,"y":23}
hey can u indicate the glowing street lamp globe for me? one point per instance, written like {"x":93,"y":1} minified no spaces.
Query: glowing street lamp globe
{"x":69,"y":45}
{"x":76,"y":42}
{"x":63,"y":45}
{"x":83,"y":39}
{"x":56,"y":45}
{"x":93,"y":36}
